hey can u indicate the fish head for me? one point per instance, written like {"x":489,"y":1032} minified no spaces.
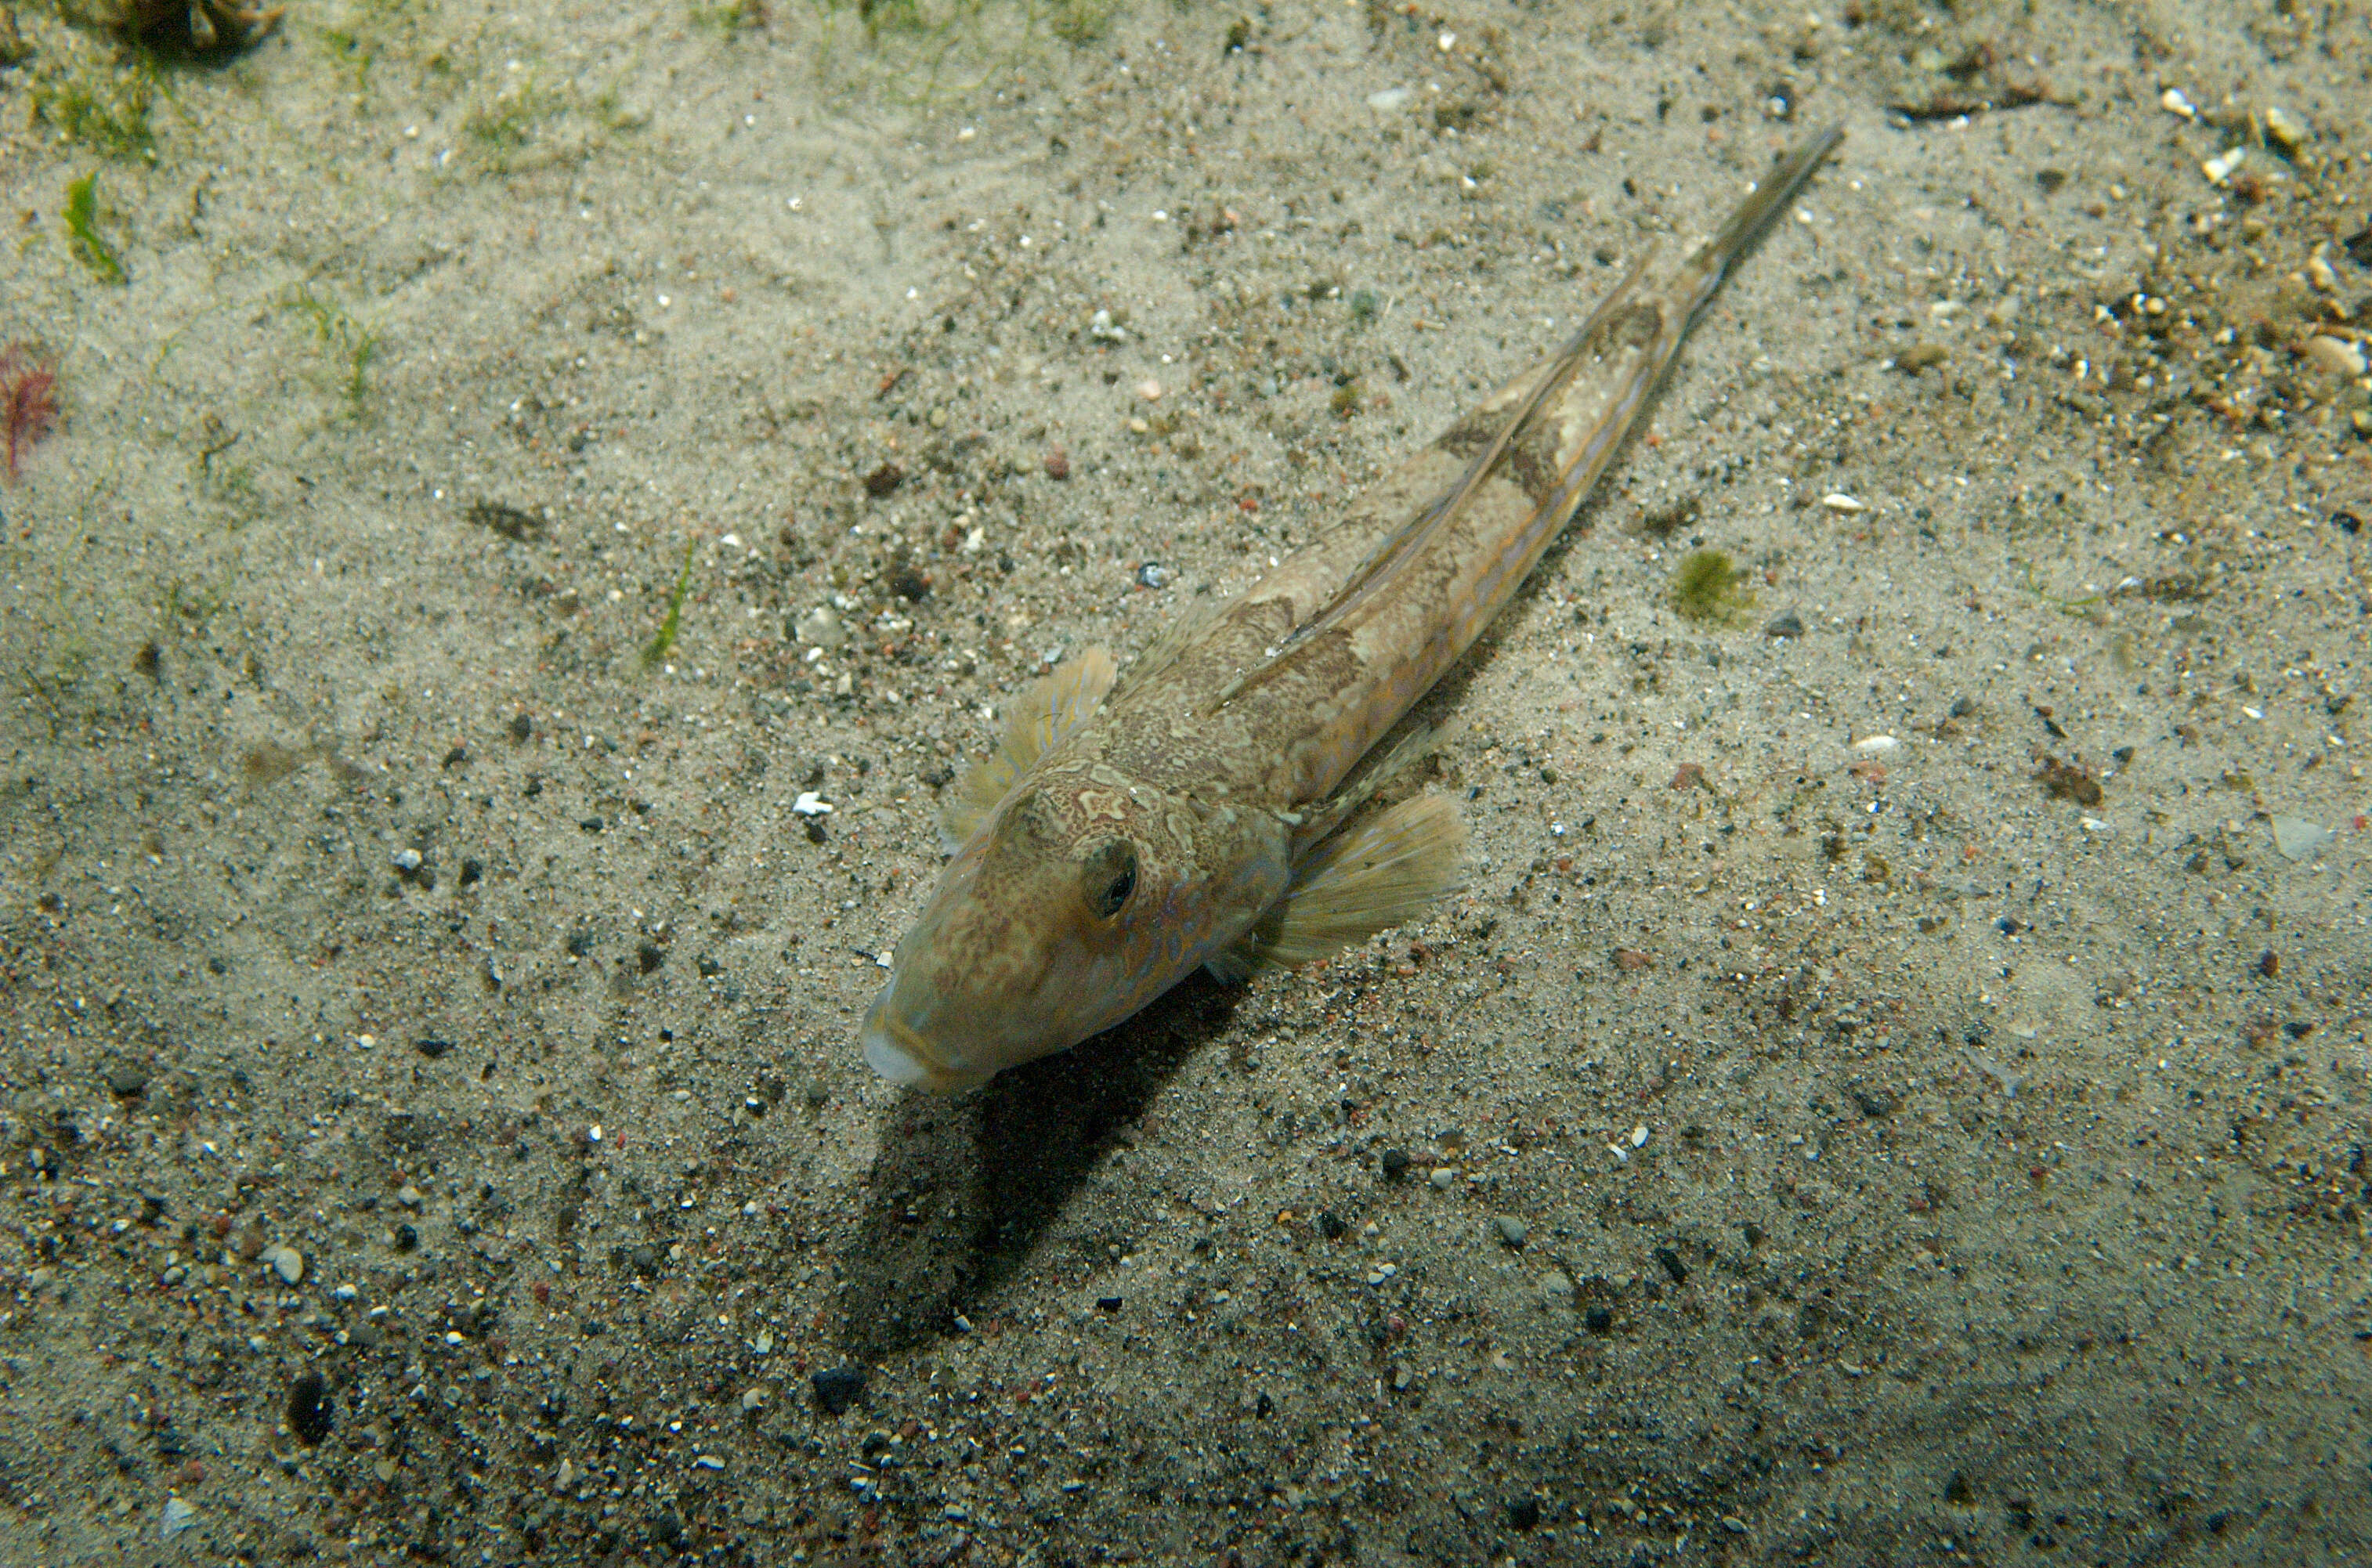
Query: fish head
{"x":1070,"y":909}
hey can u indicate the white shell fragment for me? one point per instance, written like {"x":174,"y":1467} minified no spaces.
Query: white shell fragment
{"x":2219,"y":169}
{"x":1390,"y":97}
{"x":1838,"y":501}
{"x":2173,"y":102}
{"x":811,"y":803}
{"x":2298,"y":838}
{"x":1877,"y":745}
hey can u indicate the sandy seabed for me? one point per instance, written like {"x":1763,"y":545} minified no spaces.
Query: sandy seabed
{"x":1894,"y":1089}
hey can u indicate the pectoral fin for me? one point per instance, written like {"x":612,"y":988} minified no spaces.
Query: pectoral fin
{"x":1385,"y":872}
{"x":1056,"y":704}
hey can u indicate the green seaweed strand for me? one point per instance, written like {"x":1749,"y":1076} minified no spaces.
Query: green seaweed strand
{"x":82,"y":230}
{"x":664,"y":641}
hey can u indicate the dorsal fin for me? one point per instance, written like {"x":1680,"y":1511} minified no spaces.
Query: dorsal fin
{"x":1164,"y":649}
{"x":1055,"y":704}
{"x":1409,"y":542}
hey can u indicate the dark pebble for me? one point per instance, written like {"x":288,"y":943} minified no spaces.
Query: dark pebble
{"x":642,"y":1258}
{"x":648,"y":956}
{"x":1753,"y":1234}
{"x":1396,"y":1164}
{"x":311,"y":1411}
{"x":1109,"y":1303}
{"x":1331,"y":1225}
{"x":127,"y":1080}
{"x":1598,"y":1320}
{"x":910,"y":585}
{"x":884,"y":480}
{"x":708,"y":967}
{"x":1672,"y":1265}
{"x":431,"y":1047}
{"x":407,"y":1238}
{"x":456,"y":757}
{"x":1874,"y":1102}
{"x":474,"y":871}
{"x":667,"y":1529}
{"x":522,"y":728}
{"x":1786,"y":625}
{"x":837,"y":1388}
{"x":1524,"y":1513}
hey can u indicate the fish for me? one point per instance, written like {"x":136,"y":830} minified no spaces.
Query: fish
{"x":1219,"y":805}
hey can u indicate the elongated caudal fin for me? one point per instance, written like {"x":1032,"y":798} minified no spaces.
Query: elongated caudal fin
{"x":1385,"y":872}
{"x":1056,"y":704}
{"x":1702,"y":273}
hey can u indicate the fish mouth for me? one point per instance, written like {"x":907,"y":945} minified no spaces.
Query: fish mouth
{"x":896,"y":1051}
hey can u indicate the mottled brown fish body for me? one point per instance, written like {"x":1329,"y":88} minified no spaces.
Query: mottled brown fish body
{"x":1197,"y":811}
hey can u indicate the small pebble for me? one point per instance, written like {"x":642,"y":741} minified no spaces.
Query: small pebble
{"x":1058,"y":464}
{"x":1512,"y":1231}
{"x":837,"y":1388}
{"x":2284,"y":130}
{"x":1442,"y":1177}
{"x":2335,"y":355}
{"x":409,"y":1195}
{"x":752,"y":1400}
{"x":289,"y":1263}
{"x":312,"y":1412}
{"x":1838,"y":501}
{"x":407,"y":862}
{"x":1787,"y":626}
{"x":1396,"y":1164}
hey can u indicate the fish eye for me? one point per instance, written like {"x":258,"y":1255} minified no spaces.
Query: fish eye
{"x":1111,"y":877}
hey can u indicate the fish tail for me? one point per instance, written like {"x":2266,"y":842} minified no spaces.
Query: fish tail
{"x":1705,"y":272}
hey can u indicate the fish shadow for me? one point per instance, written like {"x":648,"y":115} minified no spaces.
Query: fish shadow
{"x":963,"y":1188}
